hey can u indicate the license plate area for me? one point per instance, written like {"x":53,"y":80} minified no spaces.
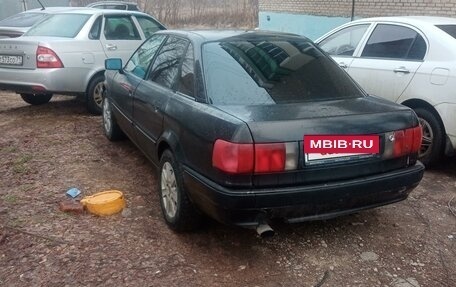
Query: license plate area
{"x":323,"y":149}
{"x":11,"y":60}
{"x":315,"y":158}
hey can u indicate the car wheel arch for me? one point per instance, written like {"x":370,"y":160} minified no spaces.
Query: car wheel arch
{"x":93,"y":76}
{"x":418,"y":103}
{"x":170,"y":141}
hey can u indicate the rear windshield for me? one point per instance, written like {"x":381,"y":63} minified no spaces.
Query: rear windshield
{"x":450,"y":29}
{"x":22,"y":20}
{"x":272,"y":71}
{"x":60,"y":25}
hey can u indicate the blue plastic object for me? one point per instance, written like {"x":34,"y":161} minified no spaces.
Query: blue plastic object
{"x":73,"y":192}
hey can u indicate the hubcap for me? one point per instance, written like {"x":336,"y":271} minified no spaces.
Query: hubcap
{"x":169,"y":190}
{"x":98,"y":94}
{"x":106,"y":116}
{"x":427,"y":140}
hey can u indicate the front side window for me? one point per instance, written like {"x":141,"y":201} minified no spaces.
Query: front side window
{"x":395,"y":42}
{"x":120,"y":28}
{"x":345,"y":41}
{"x":148,"y":26}
{"x":60,"y":25}
{"x":166,"y":66}
{"x":248,"y":71}
{"x":141,"y":59}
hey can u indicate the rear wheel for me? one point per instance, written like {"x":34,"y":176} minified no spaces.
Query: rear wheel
{"x":178,"y":211}
{"x":36,"y":99}
{"x":432,"y":141}
{"x":95,"y":95}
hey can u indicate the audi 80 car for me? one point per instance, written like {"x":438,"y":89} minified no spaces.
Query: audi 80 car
{"x":408,"y":60}
{"x":227,"y":116}
{"x":64,"y":53}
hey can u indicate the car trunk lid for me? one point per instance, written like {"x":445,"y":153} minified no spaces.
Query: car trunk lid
{"x":290,"y":123}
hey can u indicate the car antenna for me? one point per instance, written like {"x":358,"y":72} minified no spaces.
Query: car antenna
{"x":42,"y":6}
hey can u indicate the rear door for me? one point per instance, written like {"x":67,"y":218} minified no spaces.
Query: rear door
{"x":389,"y":60}
{"x":120,"y":36}
{"x":152,"y":94}
{"x":343,"y":44}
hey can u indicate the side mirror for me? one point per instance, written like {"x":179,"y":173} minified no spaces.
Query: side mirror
{"x":114,"y":64}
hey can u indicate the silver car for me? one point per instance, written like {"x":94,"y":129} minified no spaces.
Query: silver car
{"x":65,"y":53}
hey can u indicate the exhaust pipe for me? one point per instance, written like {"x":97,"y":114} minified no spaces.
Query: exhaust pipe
{"x":264,"y":230}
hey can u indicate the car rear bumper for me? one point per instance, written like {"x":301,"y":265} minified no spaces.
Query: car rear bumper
{"x":300,"y":203}
{"x":64,"y":80}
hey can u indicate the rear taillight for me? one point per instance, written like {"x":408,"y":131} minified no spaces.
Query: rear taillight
{"x":233,"y":157}
{"x":403,"y":142}
{"x":46,"y":58}
{"x":239,"y":158}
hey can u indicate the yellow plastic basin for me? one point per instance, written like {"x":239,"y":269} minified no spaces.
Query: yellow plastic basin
{"x":104,"y":203}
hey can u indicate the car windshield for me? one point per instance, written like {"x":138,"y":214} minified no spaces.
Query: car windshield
{"x":449,"y":29}
{"x":60,"y":25}
{"x":22,"y":20}
{"x":274,"y":70}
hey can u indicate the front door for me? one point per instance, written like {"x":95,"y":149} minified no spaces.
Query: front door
{"x":152,"y":95}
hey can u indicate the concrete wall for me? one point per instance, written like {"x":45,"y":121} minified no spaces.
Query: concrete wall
{"x":11,"y":7}
{"x":308,"y":25}
{"x":313,"y":18}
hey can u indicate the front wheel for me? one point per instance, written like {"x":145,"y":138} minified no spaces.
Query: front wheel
{"x":178,"y":211}
{"x":33,"y":99}
{"x":110,"y":126}
{"x":432,"y":141}
{"x":95,"y":95}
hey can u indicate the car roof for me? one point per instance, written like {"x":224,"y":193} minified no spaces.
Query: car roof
{"x":111,"y":3}
{"x":217,"y":35}
{"x":95,"y":11}
{"x":412,"y":20}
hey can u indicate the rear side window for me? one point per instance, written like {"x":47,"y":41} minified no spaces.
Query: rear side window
{"x":449,"y":29}
{"x":166,"y":66}
{"x":186,"y":83}
{"x":22,"y":20}
{"x":120,"y":28}
{"x":395,"y":42}
{"x":60,"y":25}
{"x":148,"y":26}
{"x":94,"y":33}
{"x":275,"y":70}
{"x":344,"y":42}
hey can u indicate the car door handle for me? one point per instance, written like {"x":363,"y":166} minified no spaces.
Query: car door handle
{"x":111,"y":47}
{"x":343,"y":65}
{"x":402,"y":70}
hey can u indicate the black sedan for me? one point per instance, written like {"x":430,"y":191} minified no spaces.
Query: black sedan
{"x":227,"y":116}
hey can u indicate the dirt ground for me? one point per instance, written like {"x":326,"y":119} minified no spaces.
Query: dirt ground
{"x":45,"y":150}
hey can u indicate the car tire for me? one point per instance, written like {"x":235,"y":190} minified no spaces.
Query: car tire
{"x":111,"y":129}
{"x":178,"y":211}
{"x":432,"y":143}
{"x":35,"y":100}
{"x":95,"y":95}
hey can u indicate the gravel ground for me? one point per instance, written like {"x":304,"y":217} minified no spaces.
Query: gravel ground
{"x":44,"y":150}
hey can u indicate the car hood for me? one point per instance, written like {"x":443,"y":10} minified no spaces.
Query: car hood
{"x":289,"y":122}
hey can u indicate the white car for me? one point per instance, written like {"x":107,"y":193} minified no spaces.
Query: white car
{"x":408,"y":60}
{"x":65,"y":52}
